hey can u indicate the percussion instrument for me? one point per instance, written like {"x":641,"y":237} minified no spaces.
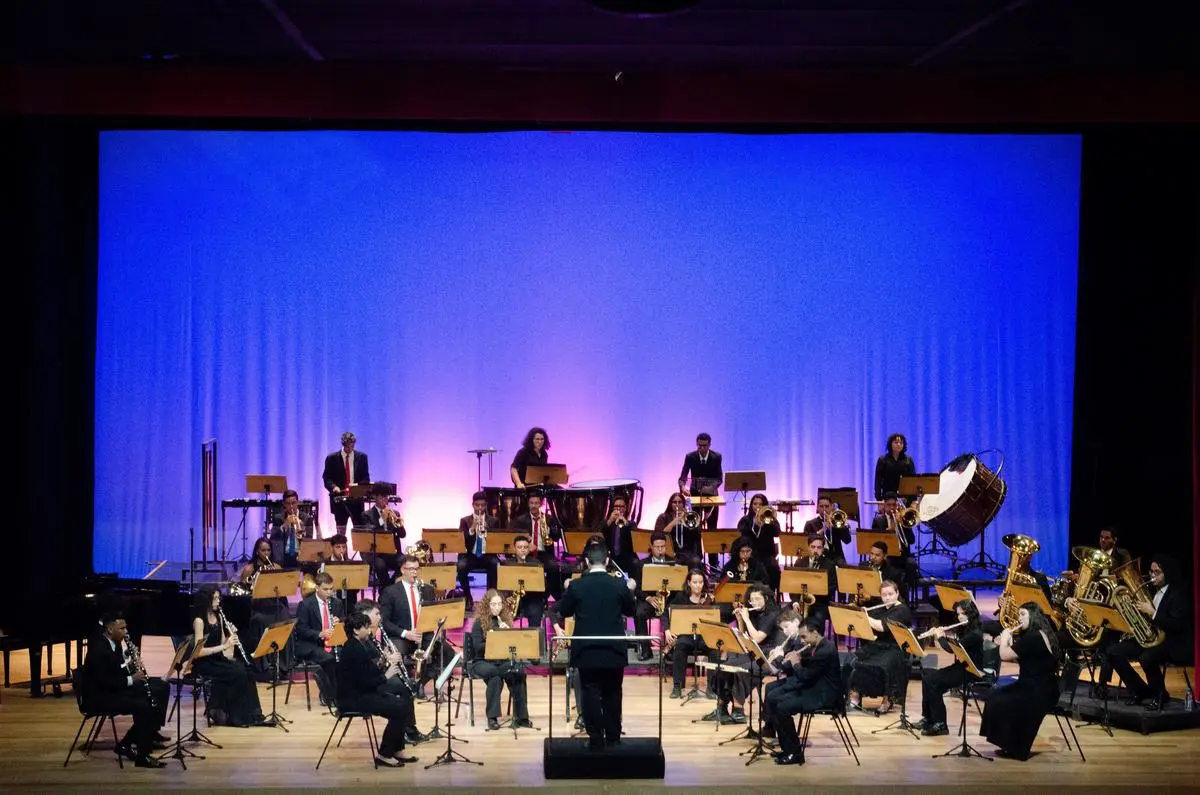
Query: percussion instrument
{"x":968,"y":499}
{"x":585,"y":504}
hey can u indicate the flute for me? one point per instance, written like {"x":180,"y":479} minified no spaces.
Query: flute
{"x":881,"y":604}
{"x":929,"y":632}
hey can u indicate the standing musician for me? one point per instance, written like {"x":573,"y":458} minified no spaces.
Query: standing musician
{"x":400,"y":606}
{"x":877,"y":668}
{"x":894,"y":464}
{"x":822,"y":524}
{"x":759,"y":619}
{"x":115,"y":682}
{"x":650,"y":602}
{"x":532,"y":453}
{"x":812,"y":682}
{"x":743,"y":566}
{"x":315,"y":617}
{"x":382,"y":518}
{"x":545,"y":531}
{"x":599,"y":604}
{"x":263,"y":612}
{"x":343,"y":469}
{"x":288,"y":527}
{"x":617,"y":530}
{"x":761,"y":535}
{"x":532,"y":605}
{"x":704,"y":467}
{"x":493,"y":613}
{"x":478,"y":557}
{"x":888,"y":521}
{"x":233,"y":695}
{"x":361,"y":687}
{"x":390,"y":659}
{"x":818,"y":560}
{"x":935,"y":682}
{"x":685,"y":542}
{"x":1170,"y":611}
{"x":789,"y":625}
{"x":694,"y":593}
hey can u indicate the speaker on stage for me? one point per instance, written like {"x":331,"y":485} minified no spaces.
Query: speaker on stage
{"x":634,"y":757}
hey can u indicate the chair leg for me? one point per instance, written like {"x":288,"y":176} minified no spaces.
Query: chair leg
{"x":1074,"y":736}
{"x":287,"y":694}
{"x":328,"y":741}
{"x":345,"y":729}
{"x":470,"y":699}
{"x":372,"y":739}
{"x":112,"y":721}
{"x":307,"y":692}
{"x":75,"y":742}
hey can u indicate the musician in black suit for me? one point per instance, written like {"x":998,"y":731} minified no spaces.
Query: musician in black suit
{"x":360,"y":688}
{"x":813,"y":681}
{"x":684,"y":540}
{"x":344,"y":468}
{"x":315,"y":618}
{"x":762,"y":535}
{"x":382,"y":518}
{"x":1108,"y":544}
{"x":647,"y":591}
{"x":532,"y":453}
{"x":400,"y":605}
{"x":704,"y":467}
{"x":821,"y":524}
{"x":878,"y":560}
{"x":789,"y":622}
{"x":617,"y":530}
{"x":112,"y":684}
{"x":817,"y":559}
{"x":533,"y":604}
{"x":531,"y":523}
{"x":288,"y":527}
{"x":888,"y":521}
{"x":894,"y":464}
{"x":477,"y":557}
{"x":1170,"y":610}
{"x":599,"y":604}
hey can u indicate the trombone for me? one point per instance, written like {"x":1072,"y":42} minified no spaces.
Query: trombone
{"x":765,"y":516}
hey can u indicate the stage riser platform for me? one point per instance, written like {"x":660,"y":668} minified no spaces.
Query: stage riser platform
{"x":1133,"y":718}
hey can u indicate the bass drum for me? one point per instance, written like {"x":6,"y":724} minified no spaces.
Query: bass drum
{"x":968,"y":499}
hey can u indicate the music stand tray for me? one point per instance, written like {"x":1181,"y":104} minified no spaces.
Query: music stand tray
{"x":718,"y":541}
{"x":349,"y":576}
{"x":793,"y":545}
{"x":844,"y":498}
{"x":276,"y":584}
{"x":853,"y":581}
{"x":1026,"y":593}
{"x":512,"y":577}
{"x":687,"y":618}
{"x":851,"y":622}
{"x":641,"y":541}
{"x":313,"y":550}
{"x":814,"y":582}
{"x":575,"y":541}
{"x":707,"y":500}
{"x":749,"y":480}
{"x":449,"y":541}
{"x":865,"y":539}
{"x":950,"y":595}
{"x":503,"y":541}
{"x":266,"y":484}
{"x":442,"y":577}
{"x":656,"y":576}
{"x":547,"y":475}
{"x":731,"y":591}
{"x":919,"y":485}
{"x":450,"y":614}
{"x":379,"y":542}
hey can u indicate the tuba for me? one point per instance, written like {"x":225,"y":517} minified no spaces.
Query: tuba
{"x":421,"y":551}
{"x":1091,"y":586}
{"x":1125,"y":597}
{"x":1023,"y":549}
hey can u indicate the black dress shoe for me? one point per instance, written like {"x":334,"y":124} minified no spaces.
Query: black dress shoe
{"x":147,"y":761}
{"x":936,"y":730}
{"x":716,"y":714}
{"x":737,"y":716}
{"x":579,"y":724}
{"x":388,"y":761}
{"x":523,"y":723}
{"x":402,"y":759}
{"x":1158,"y":702}
{"x":493,"y":724}
{"x":1134,"y":700}
{"x":414,"y":736}
{"x":126,"y":750}
{"x":160,"y":737}
{"x":790,"y":759}
{"x":644,"y":654}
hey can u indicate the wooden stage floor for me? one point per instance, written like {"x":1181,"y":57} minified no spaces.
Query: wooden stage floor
{"x":34,"y":735}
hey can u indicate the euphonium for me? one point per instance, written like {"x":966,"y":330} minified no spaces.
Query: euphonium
{"x":1023,"y":549}
{"x":1091,"y":586}
{"x":308,"y":586}
{"x":1125,"y":597}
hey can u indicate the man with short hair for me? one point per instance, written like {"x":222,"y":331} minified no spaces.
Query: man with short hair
{"x":478,"y":557}
{"x":822,"y":524}
{"x":315,"y":618}
{"x":703,"y":465}
{"x":649,"y":590}
{"x":812,"y":682}
{"x":343,"y":469}
{"x":533,"y":603}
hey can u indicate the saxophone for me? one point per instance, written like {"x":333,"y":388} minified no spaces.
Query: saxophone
{"x":1125,"y":597}
{"x":1023,"y":549}
{"x":544,"y":531}
{"x":1090,"y":586}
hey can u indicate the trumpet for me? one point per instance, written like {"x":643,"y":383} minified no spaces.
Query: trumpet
{"x":927,"y":633}
{"x":765,"y":516}
{"x":391,"y":517}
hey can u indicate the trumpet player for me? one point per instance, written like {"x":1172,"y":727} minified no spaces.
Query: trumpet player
{"x":650,"y":600}
{"x":288,"y":526}
{"x":761,"y":528}
{"x":1169,"y":610}
{"x":217,"y":656}
{"x":545,"y":531}
{"x":823,"y":524}
{"x":890,"y":519}
{"x":685,"y":540}
{"x":382,"y":518}
{"x":478,"y":557}
{"x":935,"y":682}
{"x":343,"y":469}
{"x":617,"y":530}
{"x":315,"y":618}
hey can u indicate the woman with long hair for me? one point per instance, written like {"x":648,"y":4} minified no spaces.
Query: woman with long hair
{"x":233,"y":698}
{"x":936,"y":681}
{"x":694,"y":594}
{"x":685,"y":541}
{"x":1013,"y":713}
{"x":532,"y":453}
{"x":492,"y":613}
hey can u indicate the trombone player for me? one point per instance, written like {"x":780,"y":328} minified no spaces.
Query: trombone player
{"x":833,"y":525}
{"x":617,"y":530}
{"x":894,"y":518}
{"x":682,"y":528}
{"x":761,"y":527}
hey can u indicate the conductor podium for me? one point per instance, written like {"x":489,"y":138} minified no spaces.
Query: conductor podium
{"x":635,"y":757}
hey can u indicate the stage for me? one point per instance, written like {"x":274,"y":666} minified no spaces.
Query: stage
{"x":34,"y":737}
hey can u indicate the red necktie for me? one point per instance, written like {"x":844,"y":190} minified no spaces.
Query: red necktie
{"x":325,"y":621}
{"x":412,"y":601}
{"x":347,"y":473}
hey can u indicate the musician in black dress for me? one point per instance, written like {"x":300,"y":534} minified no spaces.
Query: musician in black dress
{"x":892,"y":465}
{"x":878,"y":667}
{"x":822,"y":524}
{"x":935,"y":682}
{"x":288,"y":527}
{"x":545,"y":531}
{"x":743,"y":566}
{"x":762,"y":535}
{"x":758,"y":618}
{"x":703,"y":466}
{"x":263,"y":612}
{"x":343,"y":469}
{"x":617,"y":530}
{"x":647,"y":593}
{"x":382,"y":519}
{"x":694,"y":594}
{"x":684,"y":541}
{"x":360,"y":683}
{"x":492,"y":613}
{"x":811,"y":682}
{"x":478,"y":557}
{"x":532,"y":453}
{"x":1013,"y":713}
{"x":233,"y":694}
{"x":113,"y":684}
{"x":888,"y":521}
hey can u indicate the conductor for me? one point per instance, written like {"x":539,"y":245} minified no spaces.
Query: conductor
{"x":599,"y":603}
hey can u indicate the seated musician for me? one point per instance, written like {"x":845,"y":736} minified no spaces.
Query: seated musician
{"x":877,"y":668}
{"x":545,"y":531}
{"x":617,"y":530}
{"x":822,"y":524}
{"x":650,"y":602}
{"x":742,"y":566}
{"x":759,"y":619}
{"x":117,"y":685}
{"x":761,"y":535}
{"x":812,"y":681}
{"x":288,"y":526}
{"x":878,"y":561}
{"x":1068,"y":643}
{"x":694,"y":593}
{"x":1169,"y":610}
{"x":339,"y":552}
{"x":789,"y":627}
{"x":817,"y":560}
{"x":532,"y":605}
{"x":477,"y":557}
{"x":382,"y":518}
{"x":888,"y":521}
{"x":398,"y":684}
{"x":315,"y":617}
{"x":935,"y":682}
{"x":685,"y":542}
{"x":361,"y":688}
{"x":233,"y":695}
{"x":493,"y":613}
{"x":263,"y":612}
{"x":400,"y":607}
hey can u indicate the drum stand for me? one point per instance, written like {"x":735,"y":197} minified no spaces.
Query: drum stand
{"x":936,"y":546}
{"x":980,"y":561}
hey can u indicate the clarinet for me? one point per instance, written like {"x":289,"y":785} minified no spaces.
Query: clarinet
{"x":228,"y":627}
{"x":136,"y":666}
{"x":403,"y":671}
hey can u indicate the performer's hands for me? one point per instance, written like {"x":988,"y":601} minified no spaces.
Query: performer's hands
{"x":670,"y":636}
{"x":793,"y":657}
{"x":139,"y":676}
{"x":632,"y":585}
{"x":336,"y":490}
{"x":409,"y":634}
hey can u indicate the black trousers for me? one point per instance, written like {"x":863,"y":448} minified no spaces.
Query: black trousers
{"x":732,"y":686}
{"x":685,"y":645}
{"x":783,"y":704}
{"x":494,"y":677}
{"x":346,"y":509}
{"x":147,"y":718}
{"x":935,"y":682}
{"x":533,"y":609}
{"x":399,"y":714}
{"x":327,"y":676}
{"x":602,"y":693}
{"x":385,"y":567}
{"x":1154,"y":662}
{"x":641,"y":620}
{"x":469,"y":562}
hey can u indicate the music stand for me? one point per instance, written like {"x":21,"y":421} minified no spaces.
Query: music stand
{"x":266,"y":485}
{"x":730,"y":591}
{"x":448,"y":541}
{"x":176,"y":750}
{"x":446,"y":679}
{"x":447,"y":613}
{"x":720,"y":637}
{"x":662,"y":575}
{"x":853,"y":622}
{"x":858,"y":584}
{"x":950,"y":595}
{"x":575,"y":541}
{"x":814,"y":582}
{"x":1099,"y":615}
{"x":685,"y":620}
{"x":641,"y":541}
{"x":969,"y":669}
{"x":442,"y":577}
{"x":348,"y":577}
{"x":273,"y":642}
{"x":844,"y":498}
{"x":515,"y":646}
{"x":515,"y":577}
{"x":713,"y":542}
{"x":1028,"y":593}
{"x":544,"y":476}
{"x":279,"y":584}
{"x":865,"y":539}
{"x":758,"y":660}
{"x":503,"y":541}
{"x":908,"y":642}
{"x":479,"y":453}
{"x":746,"y":482}
{"x":374,"y":542}
{"x":313,"y":550}
{"x":793,"y":545}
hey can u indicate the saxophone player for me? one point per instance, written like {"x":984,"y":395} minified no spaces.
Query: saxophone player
{"x":545,"y":530}
{"x":382,"y":518}
{"x":478,"y":557}
{"x":650,"y":601}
